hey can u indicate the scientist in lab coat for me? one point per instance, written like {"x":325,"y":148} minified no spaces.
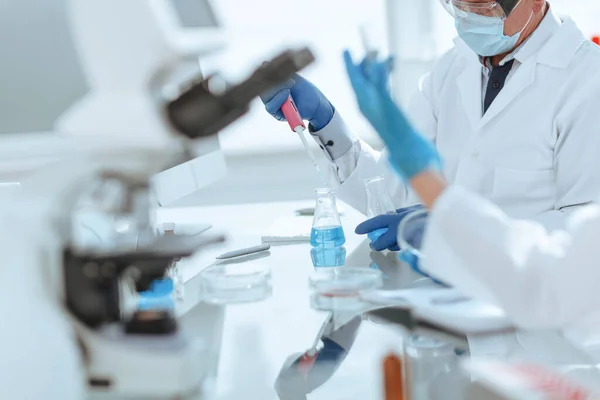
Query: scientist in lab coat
{"x":542,"y":279}
{"x":512,"y":108}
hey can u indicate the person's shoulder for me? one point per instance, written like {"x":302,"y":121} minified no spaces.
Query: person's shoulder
{"x":576,"y":57}
{"x":453,"y":59}
{"x":585,"y":66}
{"x":448,"y":58}
{"x":571,"y":36}
{"x":589,"y":52}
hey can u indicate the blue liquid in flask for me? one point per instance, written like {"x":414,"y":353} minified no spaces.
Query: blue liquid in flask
{"x":376,"y":234}
{"x":327,"y":236}
{"x":328,"y":257}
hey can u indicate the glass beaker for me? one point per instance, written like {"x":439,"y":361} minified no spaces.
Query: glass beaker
{"x":327,"y":228}
{"x":378,"y":203}
{"x":428,"y":364}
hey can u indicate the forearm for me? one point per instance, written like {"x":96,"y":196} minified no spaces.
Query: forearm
{"x":349,"y":180}
{"x":335,"y":139}
{"x":429,"y":186}
{"x":542,"y":280}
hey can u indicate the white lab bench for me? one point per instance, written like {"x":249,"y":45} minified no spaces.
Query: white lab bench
{"x":248,"y":343}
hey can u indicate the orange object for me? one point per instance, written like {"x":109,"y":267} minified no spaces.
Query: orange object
{"x":393,"y":379}
{"x":596,"y":39}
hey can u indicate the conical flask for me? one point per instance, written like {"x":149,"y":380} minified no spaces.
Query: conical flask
{"x":378,"y":203}
{"x":327,"y":228}
{"x":326,"y":257}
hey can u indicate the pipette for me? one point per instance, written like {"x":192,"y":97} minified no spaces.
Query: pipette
{"x":291,"y":114}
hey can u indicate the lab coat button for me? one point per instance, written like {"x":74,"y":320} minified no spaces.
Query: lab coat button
{"x":496,"y":85}
{"x":475,"y":154}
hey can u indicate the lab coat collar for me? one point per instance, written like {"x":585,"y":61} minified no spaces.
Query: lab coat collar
{"x":555,"y":45}
{"x":557,"y":51}
{"x":550,"y":24}
{"x":526,"y":56}
{"x":555,"y":42}
{"x":562,"y":47}
{"x":469,"y":85}
{"x":547,"y":27}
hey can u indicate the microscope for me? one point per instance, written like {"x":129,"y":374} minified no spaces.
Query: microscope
{"x":147,"y":107}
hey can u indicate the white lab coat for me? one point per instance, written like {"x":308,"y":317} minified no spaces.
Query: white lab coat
{"x":543,"y":280}
{"x":534,"y":152}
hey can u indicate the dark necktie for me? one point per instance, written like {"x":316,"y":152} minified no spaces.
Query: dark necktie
{"x":496,"y":83}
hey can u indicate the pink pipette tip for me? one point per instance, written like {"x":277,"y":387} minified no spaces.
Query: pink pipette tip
{"x":291,"y":114}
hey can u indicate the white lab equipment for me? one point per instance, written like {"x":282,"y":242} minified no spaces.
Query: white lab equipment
{"x":24,"y":112}
{"x":445,"y":309}
{"x":141,"y":115}
{"x":68,"y":83}
{"x":531,"y":152}
{"x":97,"y":140}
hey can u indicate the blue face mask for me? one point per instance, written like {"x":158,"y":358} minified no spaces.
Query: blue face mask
{"x":485,"y":35}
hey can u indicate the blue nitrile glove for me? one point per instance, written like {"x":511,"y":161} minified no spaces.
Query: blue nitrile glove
{"x":409,"y":257}
{"x":390,"y":222}
{"x":410,"y":153}
{"x":311,"y":103}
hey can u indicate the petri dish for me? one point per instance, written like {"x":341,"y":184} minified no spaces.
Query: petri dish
{"x":235,"y":283}
{"x":337,"y":289}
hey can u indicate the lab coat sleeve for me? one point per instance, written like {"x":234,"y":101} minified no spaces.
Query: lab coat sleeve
{"x":576,"y":160}
{"x":348,"y":172}
{"x":542,"y":280}
{"x":370,"y":164}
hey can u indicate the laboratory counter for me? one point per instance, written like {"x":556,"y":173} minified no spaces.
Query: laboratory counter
{"x":260,"y":350}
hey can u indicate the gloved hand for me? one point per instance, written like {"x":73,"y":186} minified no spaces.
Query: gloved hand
{"x":409,"y":257}
{"x":410,"y":153}
{"x":311,"y":103}
{"x":391,"y":222}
